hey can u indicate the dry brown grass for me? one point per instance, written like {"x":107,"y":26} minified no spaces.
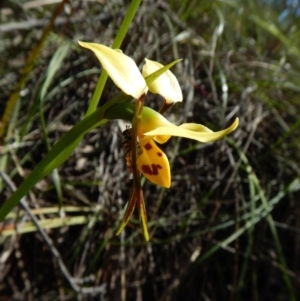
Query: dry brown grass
{"x":213,"y":233}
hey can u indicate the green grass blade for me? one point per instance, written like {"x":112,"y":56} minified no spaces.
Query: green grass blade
{"x":31,"y":59}
{"x":275,"y":31}
{"x":54,"y":66}
{"x":269,"y":218}
{"x":59,"y":153}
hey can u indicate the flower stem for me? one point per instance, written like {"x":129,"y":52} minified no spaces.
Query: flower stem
{"x":136,"y":174}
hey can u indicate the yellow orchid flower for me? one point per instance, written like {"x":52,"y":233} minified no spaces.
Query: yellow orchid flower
{"x":152,"y":162}
{"x":148,"y":126}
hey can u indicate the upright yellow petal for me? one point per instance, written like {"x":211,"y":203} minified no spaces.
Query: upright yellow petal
{"x":165,"y":85}
{"x":154,"y":164}
{"x":120,"y":68}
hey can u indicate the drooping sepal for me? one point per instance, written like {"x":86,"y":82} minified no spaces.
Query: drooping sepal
{"x":142,"y":214}
{"x":129,"y":210}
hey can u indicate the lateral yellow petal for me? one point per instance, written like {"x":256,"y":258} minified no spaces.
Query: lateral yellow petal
{"x":120,"y":68}
{"x":154,"y":164}
{"x":193,"y":131}
{"x":165,"y":85}
{"x":151,"y":120}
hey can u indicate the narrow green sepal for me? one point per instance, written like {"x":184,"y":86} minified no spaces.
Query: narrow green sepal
{"x":129,"y":210}
{"x":143,"y":215}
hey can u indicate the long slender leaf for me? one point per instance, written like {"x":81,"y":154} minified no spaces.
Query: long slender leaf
{"x":56,"y":156}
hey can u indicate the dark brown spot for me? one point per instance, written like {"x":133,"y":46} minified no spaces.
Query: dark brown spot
{"x":158,"y":166}
{"x":154,"y":169}
{"x":148,"y":146}
{"x":147,"y":170}
{"x":159,"y":154}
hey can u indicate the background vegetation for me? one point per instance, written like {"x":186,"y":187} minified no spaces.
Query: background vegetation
{"x":228,"y":228}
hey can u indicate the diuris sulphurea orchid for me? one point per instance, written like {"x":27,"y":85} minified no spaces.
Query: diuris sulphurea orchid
{"x":148,"y":125}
